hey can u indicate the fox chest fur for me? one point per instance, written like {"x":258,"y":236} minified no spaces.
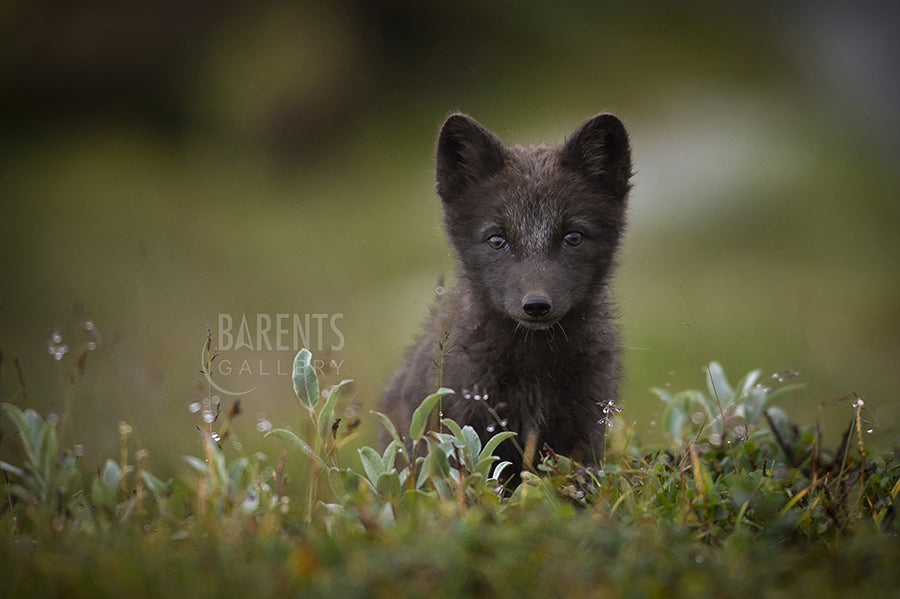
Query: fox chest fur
{"x":527,"y":338}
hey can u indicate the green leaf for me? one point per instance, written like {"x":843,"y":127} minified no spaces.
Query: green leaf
{"x":718,"y":385}
{"x":499,"y":469}
{"x":386,"y":515}
{"x":156,"y":486}
{"x":221,"y":470}
{"x":466,"y":439}
{"x":306,"y":381}
{"x":197,"y":464}
{"x":236,"y":470}
{"x":102,"y":494}
{"x":111,"y":474}
{"x":484,"y":465}
{"x":388,"y":425}
{"x":48,"y":449}
{"x":388,"y":484}
{"x":390,"y":456}
{"x":455,"y":429}
{"x":662,"y":394}
{"x":493,"y":442}
{"x":371,"y":463}
{"x":420,"y":417}
{"x":326,"y":416}
{"x":438,"y":456}
{"x":6,"y":466}
{"x":28,"y":432}
{"x":22,"y":493}
{"x":754,"y":402}
{"x":339,"y":480}
{"x":473,"y":443}
{"x":673,"y":419}
{"x":293,"y":439}
{"x":746,"y":384}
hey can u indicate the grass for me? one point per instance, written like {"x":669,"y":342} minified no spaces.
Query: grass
{"x":739,"y":501}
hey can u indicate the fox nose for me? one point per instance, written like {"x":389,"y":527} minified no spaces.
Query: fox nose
{"x":536,"y":306}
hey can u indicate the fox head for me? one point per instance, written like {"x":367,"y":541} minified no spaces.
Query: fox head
{"x":536,"y":229}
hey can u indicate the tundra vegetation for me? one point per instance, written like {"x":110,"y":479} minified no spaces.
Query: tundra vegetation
{"x":740,"y":500}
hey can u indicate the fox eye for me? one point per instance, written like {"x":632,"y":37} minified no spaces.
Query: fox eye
{"x":574,"y":238}
{"x":496,"y":242}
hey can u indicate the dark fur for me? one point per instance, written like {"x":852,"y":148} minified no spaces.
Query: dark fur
{"x":550,"y":372}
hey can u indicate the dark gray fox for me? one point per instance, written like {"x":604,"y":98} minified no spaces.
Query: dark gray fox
{"x":528,"y":328}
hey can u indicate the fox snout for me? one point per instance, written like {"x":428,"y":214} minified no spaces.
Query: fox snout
{"x":537,"y":306}
{"x":535,"y":293}
{"x":536,"y":311}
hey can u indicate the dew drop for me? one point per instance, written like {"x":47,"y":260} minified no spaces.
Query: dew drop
{"x":216,"y":437}
{"x":504,"y":422}
{"x":870,"y":430}
{"x":263,"y":424}
{"x":439,"y":290}
{"x":91,"y":345}
{"x":79,"y":450}
{"x":56,"y":337}
{"x":88,"y":325}
{"x":194,"y":407}
{"x":490,"y":428}
{"x":208,"y":416}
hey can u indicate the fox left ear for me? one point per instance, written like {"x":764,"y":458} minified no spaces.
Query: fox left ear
{"x":599,"y":149}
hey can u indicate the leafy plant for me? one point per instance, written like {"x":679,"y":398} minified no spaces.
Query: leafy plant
{"x":763,"y":508}
{"x":445,"y":466}
{"x":724,"y":411}
{"x":43,"y":481}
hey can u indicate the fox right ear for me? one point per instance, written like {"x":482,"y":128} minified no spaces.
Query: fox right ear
{"x":466,"y":154}
{"x":599,"y":148}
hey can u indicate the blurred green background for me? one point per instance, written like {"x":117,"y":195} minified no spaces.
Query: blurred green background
{"x":164,"y":163}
